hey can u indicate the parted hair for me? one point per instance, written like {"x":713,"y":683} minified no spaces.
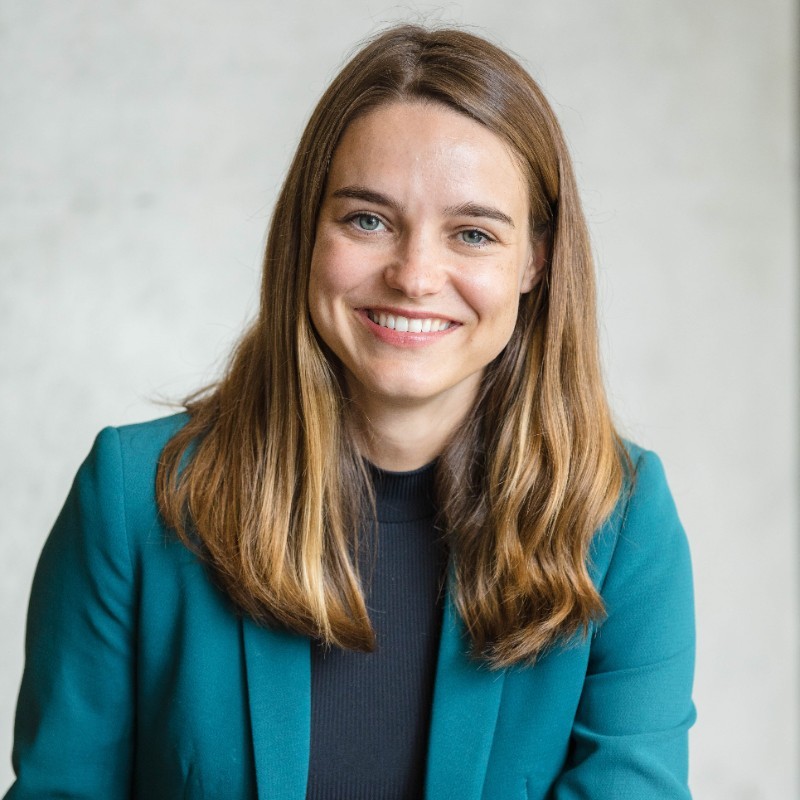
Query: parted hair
{"x":265,"y":480}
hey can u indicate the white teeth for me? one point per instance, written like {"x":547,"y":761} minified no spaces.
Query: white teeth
{"x":408,"y":325}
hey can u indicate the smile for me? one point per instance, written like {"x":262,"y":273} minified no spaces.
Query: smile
{"x":395,"y":322}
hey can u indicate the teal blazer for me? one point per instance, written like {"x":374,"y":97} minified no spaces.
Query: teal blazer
{"x":141,"y":680}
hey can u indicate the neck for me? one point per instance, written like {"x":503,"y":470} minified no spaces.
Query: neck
{"x":403,"y":438}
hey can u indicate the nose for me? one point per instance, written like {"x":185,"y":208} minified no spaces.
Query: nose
{"x":417,"y":267}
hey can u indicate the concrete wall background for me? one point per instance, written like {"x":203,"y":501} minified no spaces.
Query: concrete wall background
{"x":142,"y":144}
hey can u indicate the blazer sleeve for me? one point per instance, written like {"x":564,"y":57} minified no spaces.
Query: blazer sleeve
{"x":630,"y":735}
{"x":74,"y":722}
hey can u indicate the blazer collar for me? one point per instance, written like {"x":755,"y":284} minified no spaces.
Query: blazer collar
{"x":278,"y":666}
{"x":466,"y":700}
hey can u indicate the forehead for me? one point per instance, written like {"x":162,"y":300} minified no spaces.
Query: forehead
{"x":428,"y":147}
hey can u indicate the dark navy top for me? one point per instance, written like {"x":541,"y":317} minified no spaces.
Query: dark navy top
{"x":370,"y":712}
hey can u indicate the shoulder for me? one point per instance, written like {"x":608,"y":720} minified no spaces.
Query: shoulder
{"x":134,"y":450}
{"x":645,"y":498}
{"x":143,"y":441}
{"x":647,"y":516}
{"x":643,"y":568}
{"x":119,"y":475}
{"x":111,"y":508}
{"x":646,"y":494}
{"x":643,"y":536}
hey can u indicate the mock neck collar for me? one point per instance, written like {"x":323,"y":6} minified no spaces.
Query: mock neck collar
{"x":404,"y":496}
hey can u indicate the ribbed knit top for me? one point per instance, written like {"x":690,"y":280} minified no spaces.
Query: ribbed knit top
{"x":370,"y":712}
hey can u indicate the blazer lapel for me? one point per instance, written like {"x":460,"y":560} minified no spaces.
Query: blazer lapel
{"x":466,"y":699}
{"x":278,"y":668}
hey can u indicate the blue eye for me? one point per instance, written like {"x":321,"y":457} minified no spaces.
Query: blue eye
{"x":474,"y":237}
{"x":368,"y":222}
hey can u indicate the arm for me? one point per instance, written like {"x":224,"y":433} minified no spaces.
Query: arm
{"x":629,"y":739}
{"x":73,"y":731}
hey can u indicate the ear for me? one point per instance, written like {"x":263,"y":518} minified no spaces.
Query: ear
{"x":537,"y":258}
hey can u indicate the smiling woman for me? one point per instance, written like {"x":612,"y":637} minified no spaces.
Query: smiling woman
{"x":422,"y":251}
{"x":398,"y":550}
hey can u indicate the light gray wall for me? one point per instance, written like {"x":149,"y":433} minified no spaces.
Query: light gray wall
{"x":141,"y":147}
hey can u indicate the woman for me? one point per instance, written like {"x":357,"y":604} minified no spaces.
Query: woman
{"x":399,"y":548}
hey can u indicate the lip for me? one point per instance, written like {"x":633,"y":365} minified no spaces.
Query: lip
{"x":405,"y":339}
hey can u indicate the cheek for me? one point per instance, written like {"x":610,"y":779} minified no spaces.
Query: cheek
{"x":336,"y":269}
{"x":494,"y":296}
{"x":327,"y":281}
{"x":323,"y":268}
{"x":320,"y":292}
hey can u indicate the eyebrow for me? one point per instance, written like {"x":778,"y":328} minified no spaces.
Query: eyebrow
{"x":476,"y":210}
{"x":368,"y":196}
{"x":462,"y":210}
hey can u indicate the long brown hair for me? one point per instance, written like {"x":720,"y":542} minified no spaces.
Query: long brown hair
{"x":264,"y":480}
